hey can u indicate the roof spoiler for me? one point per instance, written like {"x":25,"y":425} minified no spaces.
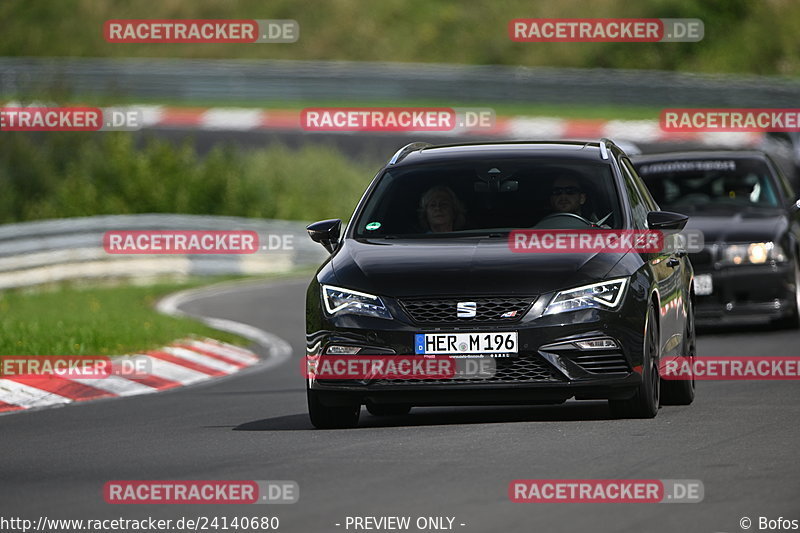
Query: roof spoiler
{"x":407,"y":149}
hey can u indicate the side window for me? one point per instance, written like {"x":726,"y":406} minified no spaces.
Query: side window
{"x":644,"y":192}
{"x":638,"y":208}
{"x":786,"y":188}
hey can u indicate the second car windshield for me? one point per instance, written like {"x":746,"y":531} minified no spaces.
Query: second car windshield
{"x":486,"y":197}
{"x":698,"y":183}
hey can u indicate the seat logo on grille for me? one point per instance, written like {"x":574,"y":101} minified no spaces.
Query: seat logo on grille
{"x":466,"y":309}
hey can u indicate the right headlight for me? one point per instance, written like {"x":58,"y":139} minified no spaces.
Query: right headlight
{"x":340,"y":301}
{"x":604,"y":295}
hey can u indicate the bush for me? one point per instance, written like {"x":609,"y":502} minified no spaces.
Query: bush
{"x":58,"y":175}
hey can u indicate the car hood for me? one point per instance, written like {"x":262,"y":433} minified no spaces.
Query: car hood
{"x":727,"y":224}
{"x":442,"y":267}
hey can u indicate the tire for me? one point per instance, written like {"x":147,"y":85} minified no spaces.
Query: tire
{"x":644,"y":403}
{"x":681,"y":391}
{"x":387,"y":410}
{"x":792,"y":321}
{"x":331,"y":417}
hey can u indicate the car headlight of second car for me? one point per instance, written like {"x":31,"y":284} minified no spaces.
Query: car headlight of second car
{"x":755,"y":253}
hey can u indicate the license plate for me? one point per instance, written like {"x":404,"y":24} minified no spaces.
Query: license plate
{"x":465,"y":343}
{"x":703,"y":284}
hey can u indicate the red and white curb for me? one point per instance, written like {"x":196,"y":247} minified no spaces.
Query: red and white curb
{"x":513,"y":127}
{"x":505,"y":127}
{"x":185,"y":362}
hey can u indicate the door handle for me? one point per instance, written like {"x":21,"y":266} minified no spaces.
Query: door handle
{"x":673,"y":262}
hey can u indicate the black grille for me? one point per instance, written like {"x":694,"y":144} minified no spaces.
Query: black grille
{"x":523,"y":369}
{"x":488,"y":310}
{"x":612,"y":363}
{"x":703,"y":258}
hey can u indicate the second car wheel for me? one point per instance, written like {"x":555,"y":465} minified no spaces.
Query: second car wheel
{"x":792,"y":320}
{"x":645,"y":401}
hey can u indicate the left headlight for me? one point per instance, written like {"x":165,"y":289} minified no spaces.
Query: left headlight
{"x":755,"y":253}
{"x":339,"y":301}
{"x":604,"y":295}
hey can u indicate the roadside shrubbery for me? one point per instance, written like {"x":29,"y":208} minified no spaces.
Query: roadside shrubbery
{"x":57,"y":175}
{"x":741,"y":36}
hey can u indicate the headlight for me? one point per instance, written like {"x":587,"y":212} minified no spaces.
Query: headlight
{"x":604,"y":295}
{"x":339,"y":301}
{"x":756,"y":253}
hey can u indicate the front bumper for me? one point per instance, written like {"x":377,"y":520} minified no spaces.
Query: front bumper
{"x":746,"y":293}
{"x":549,"y":367}
{"x":485,"y":394}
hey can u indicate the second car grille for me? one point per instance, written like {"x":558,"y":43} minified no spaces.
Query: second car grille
{"x":703,"y":259}
{"x":486,"y":310}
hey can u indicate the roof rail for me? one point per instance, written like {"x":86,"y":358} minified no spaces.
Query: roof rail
{"x":407,"y":149}
{"x":603,"y":149}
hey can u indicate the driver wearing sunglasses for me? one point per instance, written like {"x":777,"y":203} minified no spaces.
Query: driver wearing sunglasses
{"x":567,"y":196}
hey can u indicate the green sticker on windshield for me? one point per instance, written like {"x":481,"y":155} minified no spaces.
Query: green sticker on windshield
{"x":372,"y":226}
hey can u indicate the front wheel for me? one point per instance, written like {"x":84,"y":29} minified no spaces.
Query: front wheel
{"x":331,"y":417}
{"x":644,"y":403}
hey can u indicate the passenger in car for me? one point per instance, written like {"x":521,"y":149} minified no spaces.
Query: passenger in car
{"x":440,"y":210}
{"x":740,"y":188}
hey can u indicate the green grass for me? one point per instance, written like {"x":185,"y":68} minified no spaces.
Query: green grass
{"x":741,"y":36}
{"x":73,"y":320}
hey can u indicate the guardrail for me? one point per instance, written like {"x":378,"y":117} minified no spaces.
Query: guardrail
{"x":34,"y":253}
{"x":237,"y":81}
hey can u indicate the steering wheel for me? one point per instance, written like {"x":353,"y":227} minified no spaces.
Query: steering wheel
{"x":568,"y":215}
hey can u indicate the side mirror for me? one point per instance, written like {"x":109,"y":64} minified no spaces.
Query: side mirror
{"x":326,"y":232}
{"x":666,"y":220}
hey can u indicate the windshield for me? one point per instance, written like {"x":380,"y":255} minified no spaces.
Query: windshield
{"x":490,"y":197}
{"x":710,"y":182}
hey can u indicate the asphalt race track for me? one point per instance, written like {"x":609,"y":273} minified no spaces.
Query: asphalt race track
{"x":738,"y":438}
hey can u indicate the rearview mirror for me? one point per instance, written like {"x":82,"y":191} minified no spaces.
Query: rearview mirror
{"x":326,"y":232}
{"x":666,"y":220}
